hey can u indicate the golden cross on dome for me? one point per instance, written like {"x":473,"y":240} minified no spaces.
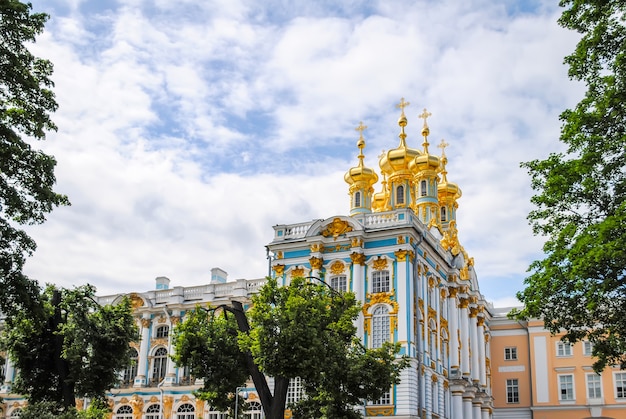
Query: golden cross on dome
{"x":402,"y":105}
{"x":361,"y":128}
{"x":442,"y":145}
{"x":424,"y":115}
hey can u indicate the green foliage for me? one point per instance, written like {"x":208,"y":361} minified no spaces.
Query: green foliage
{"x":207,"y":344}
{"x":302,"y":330}
{"x":50,"y":410}
{"x":60,"y":348}
{"x":580,"y":285}
{"x":26,"y":175}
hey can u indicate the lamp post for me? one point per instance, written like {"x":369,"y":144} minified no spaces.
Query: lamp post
{"x":244,"y":395}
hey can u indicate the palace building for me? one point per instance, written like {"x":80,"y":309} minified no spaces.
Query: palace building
{"x":398,"y":250}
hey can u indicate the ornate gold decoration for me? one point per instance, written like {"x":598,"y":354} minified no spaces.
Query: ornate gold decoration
{"x":185,"y":398}
{"x":357,"y":258}
{"x":80,"y":404}
{"x":452,"y":291}
{"x":463,"y":302}
{"x":199,"y":408}
{"x":316,"y":263}
{"x":401,"y":255}
{"x":336,"y":228}
{"x":297,"y":272}
{"x":161,"y":319}
{"x":279,"y":270}
{"x":443,"y":293}
{"x":145,"y":323}
{"x":317,"y":247}
{"x":168,"y":401}
{"x":279,"y":254}
{"x":158,"y":342}
{"x":432,"y":313}
{"x":473,"y":312}
{"x":481,"y":321}
{"x":379,"y":411}
{"x":367,"y":325}
{"x":136,"y":403}
{"x":381,"y":297}
{"x":434,"y":378}
{"x":124,"y":400}
{"x":337,"y":267}
{"x":154,"y":399}
{"x":356,"y":242}
{"x":175,"y":320}
{"x":431,"y":281}
{"x":401,"y":240}
{"x":135,"y":346}
{"x":136,"y":301}
{"x":380,"y":264}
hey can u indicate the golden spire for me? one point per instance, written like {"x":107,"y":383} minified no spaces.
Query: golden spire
{"x":361,"y":143}
{"x":402,"y":121}
{"x":425,"y":130}
{"x":444,"y":160}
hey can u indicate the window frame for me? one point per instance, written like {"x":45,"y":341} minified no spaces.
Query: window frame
{"x":510,"y":353}
{"x":564,"y":349}
{"x":381,"y":281}
{"x":400,"y":195}
{"x":381,"y":326}
{"x":339,"y":283}
{"x":570,"y":395}
{"x":161,"y":332}
{"x":587,"y":348}
{"x":159,"y":364}
{"x":512,"y":391}
{"x":597,"y":386}
{"x":619,"y":377}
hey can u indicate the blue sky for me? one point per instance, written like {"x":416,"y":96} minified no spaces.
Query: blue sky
{"x":188,"y":129}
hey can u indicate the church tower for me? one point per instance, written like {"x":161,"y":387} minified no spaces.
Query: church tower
{"x":361,"y":180}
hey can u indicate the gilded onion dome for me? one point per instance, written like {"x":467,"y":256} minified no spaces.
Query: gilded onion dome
{"x":361,"y":176}
{"x":396,"y":161}
{"x":425,"y":161}
{"x":446,"y":190}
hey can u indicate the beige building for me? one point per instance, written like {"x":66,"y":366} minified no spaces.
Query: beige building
{"x":536,"y":375}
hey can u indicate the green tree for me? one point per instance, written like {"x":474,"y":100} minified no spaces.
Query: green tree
{"x":26,"y":174}
{"x":302,"y":330}
{"x":580,"y":285}
{"x":75,"y":347}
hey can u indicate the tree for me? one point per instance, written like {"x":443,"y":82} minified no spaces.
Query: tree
{"x":302,"y":330}
{"x":580,"y":285}
{"x":26,"y":175}
{"x":71,"y":346}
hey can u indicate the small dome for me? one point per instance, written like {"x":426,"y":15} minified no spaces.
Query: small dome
{"x":360,"y":173}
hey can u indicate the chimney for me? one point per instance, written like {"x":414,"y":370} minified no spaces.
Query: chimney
{"x":162,"y":283}
{"x":218,"y":276}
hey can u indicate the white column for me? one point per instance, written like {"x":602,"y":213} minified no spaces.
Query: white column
{"x":9,"y":371}
{"x":481,"y":352}
{"x":170,"y":376}
{"x":358,"y":286}
{"x":428,"y":385}
{"x":473,"y":329}
{"x":476,"y":409}
{"x":403,"y":297}
{"x":144,"y":346}
{"x":457,"y":388}
{"x":453,"y":324}
{"x":464,"y":326}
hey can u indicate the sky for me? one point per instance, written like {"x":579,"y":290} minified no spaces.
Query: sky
{"x":188,"y":129}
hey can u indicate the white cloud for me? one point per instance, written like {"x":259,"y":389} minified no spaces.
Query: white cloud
{"x":187,"y":132}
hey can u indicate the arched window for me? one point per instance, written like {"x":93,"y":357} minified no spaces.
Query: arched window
{"x":423,"y":188}
{"x":380,"y":326}
{"x":153,"y":412}
{"x":162,"y":332}
{"x":131,"y":369}
{"x":339,"y":283}
{"x":124,"y":412}
{"x":253,"y":411}
{"x":215,"y":414}
{"x":432,"y":329}
{"x":357,"y":199}
{"x":400,"y":195}
{"x":444,"y":348}
{"x":16,"y":413}
{"x":380,"y":281}
{"x":294,"y":391}
{"x":444,"y":214}
{"x":159,"y":365}
{"x":186,"y":411}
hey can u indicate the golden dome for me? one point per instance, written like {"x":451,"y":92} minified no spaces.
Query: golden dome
{"x":396,"y":161}
{"x":360,"y":173}
{"x":425,"y":161}
{"x":446,"y":189}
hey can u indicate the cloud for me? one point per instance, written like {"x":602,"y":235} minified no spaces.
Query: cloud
{"x":187,"y":131}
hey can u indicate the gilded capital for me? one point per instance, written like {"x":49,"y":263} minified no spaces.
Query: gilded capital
{"x":316,"y":263}
{"x":145,"y":323}
{"x":357,"y":258}
{"x":279,"y":270}
{"x":463,"y":302}
{"x":401,"y":255}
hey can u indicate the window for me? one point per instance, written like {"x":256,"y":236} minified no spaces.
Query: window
{"x":594,"y":386}
{"x":131,"y":370}
{"x":254,"y":411}
{"x":587,"y":348}
{"x":294,"y":391}
{"x":357,"y":199}
{"x":380,"y":281}
{"x":124,"y":412}
{"x":385,"y":400}
{"x":510,"y":353}
{"x":159,"y":365}
{"x":16,"y":413}
{"x":380,"y":326}
{"x":423,"y":189}
{"x":566,"y":387}
{"x":162,"y":332}
{"x":215,"y":414}
{"x":512,"y":390}
{"x":153,"y":412}
{"x":444,"y":215}
{"x":186,"y":411}
{"x":400,"y":195}
{"x":339,"y":283}
{"x":563,"y":348}
{"x":620,"y":385}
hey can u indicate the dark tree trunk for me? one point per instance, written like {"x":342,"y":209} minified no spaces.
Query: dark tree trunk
{"x":66,"y":389}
